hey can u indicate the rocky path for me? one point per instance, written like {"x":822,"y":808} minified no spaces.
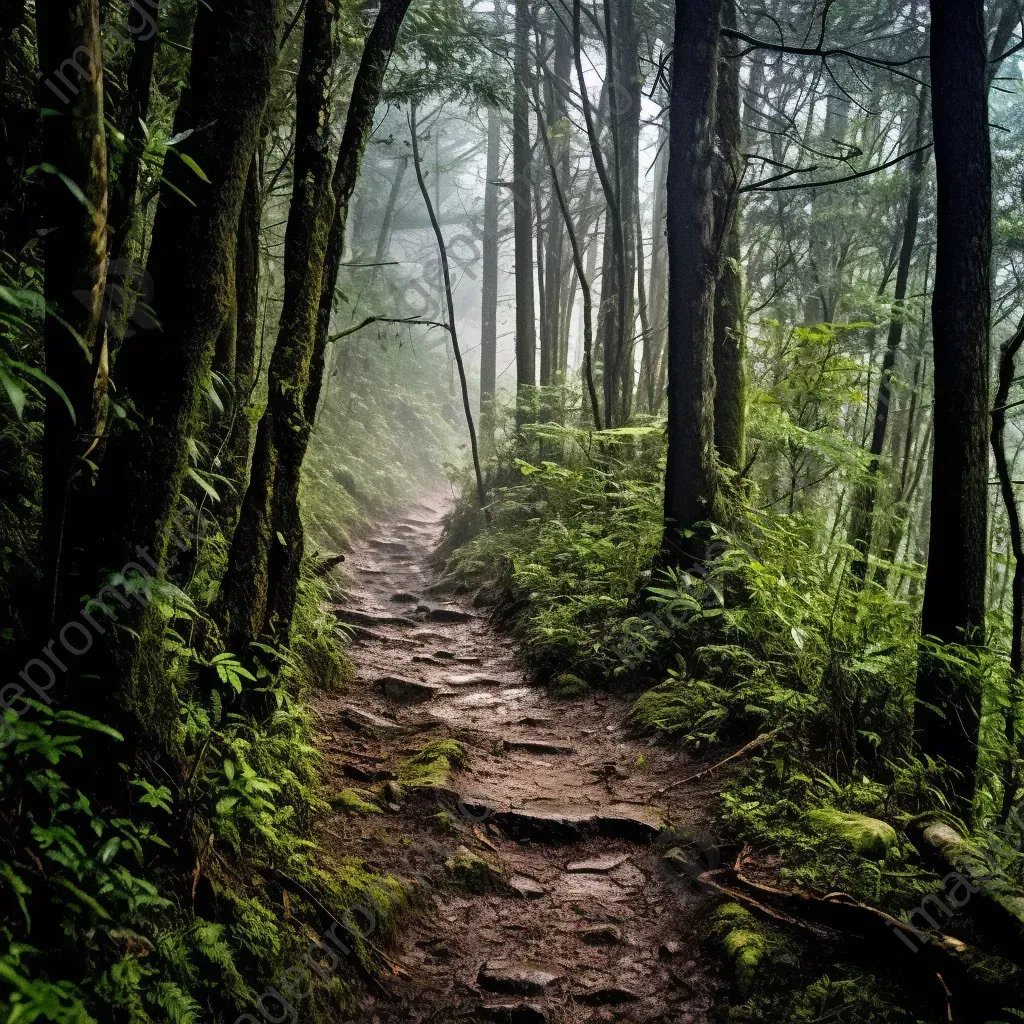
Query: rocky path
{"x":584,"y":919}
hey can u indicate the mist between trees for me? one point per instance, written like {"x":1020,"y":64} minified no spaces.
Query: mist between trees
{"x":691,"y":306}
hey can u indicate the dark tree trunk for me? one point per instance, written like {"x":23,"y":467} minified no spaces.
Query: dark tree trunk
{"x":1007,"y":374}
{"x":135,"y":110}
{"x":691,"y":476}
{"x":730,"y":371}
{"x":616,"y":320}
{"x":258,"y":598}
{"x":489,"y":282}
{"x":526,"y":331}
{"x":74,"y":146}
{"x":862,"y":519}
{"x":235,"y":456}
{"x":947,"y":709}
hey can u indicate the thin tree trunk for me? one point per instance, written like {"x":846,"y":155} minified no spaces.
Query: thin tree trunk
{"x":729,"y":349}
{"x":691,"y":476}
{"x":1007,"y":372}
{"x":450,"y":304}
{"x":652,"y":363}
{"x":388,"y":221}
{"x":948,"y":708}
{"x":489,"y":283}
{"x":75,"y":250}
{"x":258,"y":595}
{"x":526,"y":336}
{"x":235,"y":457}
{"x":577,"y":257}
{"x":862,"y":521}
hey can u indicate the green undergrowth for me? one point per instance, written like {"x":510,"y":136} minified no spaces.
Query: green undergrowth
{"x":770,"y":646}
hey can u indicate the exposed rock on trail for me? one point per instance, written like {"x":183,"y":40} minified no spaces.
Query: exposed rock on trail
{"x":572,"y":919}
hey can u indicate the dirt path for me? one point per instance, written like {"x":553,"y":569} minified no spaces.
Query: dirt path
{"x":592,"y":924}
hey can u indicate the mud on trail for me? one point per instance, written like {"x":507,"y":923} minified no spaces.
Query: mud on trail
{"x":588,"y":921}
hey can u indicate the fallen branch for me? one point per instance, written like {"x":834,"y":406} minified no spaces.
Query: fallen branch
{"x":754,"y":744}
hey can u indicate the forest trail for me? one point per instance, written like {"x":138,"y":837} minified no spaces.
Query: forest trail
{"x":592,"y":923}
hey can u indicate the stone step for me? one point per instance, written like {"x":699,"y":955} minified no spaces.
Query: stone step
{"x":560,"y":823}
{"x":511,"y":978}
{"x":397,"y":547}
{"x":409,"y":691}
{"x":364,"y":721}
{"x":355,"y":617}
{"x":473,"y":679}
{"x":448,"y":615}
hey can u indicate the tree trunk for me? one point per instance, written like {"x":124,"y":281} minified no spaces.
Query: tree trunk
{"x":235,"y":456}
{"x":134,"y":113}
{"x":489,"y":283}
{"x":729,"y":346}
{"x":862,"y":520}
{"x":526,"y":336}
{"x":163,"y":369}
{"x":257,"y":597}
{"x":75,"y":253}
{"x":947,"y":709}
{"x":691,"y":476}
{"x":388,"y":220}
{"x":652,"y":362}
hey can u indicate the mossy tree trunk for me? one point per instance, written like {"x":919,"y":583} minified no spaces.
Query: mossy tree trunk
{"x":163,"y":370}
{"x":75,"y":253}
{"x":691,"y":475}
{"x":268,"y":542}
{"x":948,"y":706}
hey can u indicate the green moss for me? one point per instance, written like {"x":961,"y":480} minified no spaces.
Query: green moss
{"x":742,"y":941}
{"x":351,"y":802}
{"x":867,"y":837}
{"x":432,"y":765}
{"x":567,"y":686}
{"x":468,"y":872}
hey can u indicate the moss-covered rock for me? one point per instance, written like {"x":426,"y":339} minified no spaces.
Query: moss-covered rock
{"x":742,"y":942}
{"x":866,"y":837}
{"x":432,"y":765}
{"x":351,"y":801}
{"x":567,"y":686}
{"x":469,"y":872}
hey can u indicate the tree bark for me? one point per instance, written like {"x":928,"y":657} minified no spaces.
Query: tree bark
{"x":163,"y":369}
{"x":691,"y":475}
{"x":489,"y":282}
{"x":947,"y":709}
{"x":652,"y":361}
{"x":526,"y":336}
{"x":74,"y":260}
{"x":729,"y":346}
{"x":257,"y":593}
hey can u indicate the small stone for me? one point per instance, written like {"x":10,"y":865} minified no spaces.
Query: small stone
{"x":601,"y":935}
{"x":528,"y":888}
{"x":403,"y":597}
{"x":598,"y":865}
{"x":364,"y":721}
{"x":516,"y":979}
{"x":408,"y":691}
{"x":607,"y":994}
{"x":475,"y":679}
{"x":539,"y":746}
{"x":393,"y":546}
{"x":355,"y":617}
{"x":448,"y":615}
{"x":392,"y":793}
{"x":517,"y":1013}
{"x":668,"y":949}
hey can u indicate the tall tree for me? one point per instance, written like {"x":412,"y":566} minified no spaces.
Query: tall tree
{"x":862,"y":518}
{"x":75,"y":255}
{"x":729,"y":347}
{"x":522,"y":212}
{"x":691,"y":475}
{"x":269,"y":528}
{"x":489,"y":281}
{"x":947,"y":709}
